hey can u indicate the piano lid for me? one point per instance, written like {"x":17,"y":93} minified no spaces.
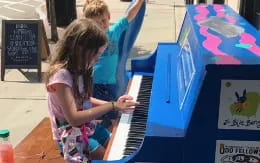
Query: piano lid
{"x":224,"y":36}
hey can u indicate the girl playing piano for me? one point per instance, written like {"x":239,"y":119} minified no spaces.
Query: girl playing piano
{"x":69,"y":84}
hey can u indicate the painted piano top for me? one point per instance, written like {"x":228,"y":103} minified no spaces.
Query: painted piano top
{"x":223,"y":35}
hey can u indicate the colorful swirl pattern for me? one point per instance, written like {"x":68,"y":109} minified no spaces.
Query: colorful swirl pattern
{"x":246,"y":38}
{"x":212,"y":42}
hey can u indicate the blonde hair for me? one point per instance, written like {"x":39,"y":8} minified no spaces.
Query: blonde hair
{"x":76,"y":49}
{"x":95,"y":8}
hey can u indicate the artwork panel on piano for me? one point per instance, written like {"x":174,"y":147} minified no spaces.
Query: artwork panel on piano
{"x":215,"y":47}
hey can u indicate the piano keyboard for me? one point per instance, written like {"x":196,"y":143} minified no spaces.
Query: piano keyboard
{"x":132,"y":126}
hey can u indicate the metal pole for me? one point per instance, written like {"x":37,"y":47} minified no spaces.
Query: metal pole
{"x":54,"y":32}
{"x":202,"y":1}
{"x":189,"y":1}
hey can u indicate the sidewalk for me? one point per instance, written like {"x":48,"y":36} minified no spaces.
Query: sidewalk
{"x":162,"y":22}
{"x":23,"y":99}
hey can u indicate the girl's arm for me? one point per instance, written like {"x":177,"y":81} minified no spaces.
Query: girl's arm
{"x":132,"y":12}
{"x":75,"y":117}
{"x":97,"y":102}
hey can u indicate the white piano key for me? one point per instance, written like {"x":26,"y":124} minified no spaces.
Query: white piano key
{"x":119,"y":142}
{"x":135,"y":86}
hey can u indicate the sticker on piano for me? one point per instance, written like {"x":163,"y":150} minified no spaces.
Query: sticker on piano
{"x":231,"y":151}
{"x":239,"y":106}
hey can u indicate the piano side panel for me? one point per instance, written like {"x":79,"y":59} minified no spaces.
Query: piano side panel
{"x":202,"y":133}
{"x":225,"y":58}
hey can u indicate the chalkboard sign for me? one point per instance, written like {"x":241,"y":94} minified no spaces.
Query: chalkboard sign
{"x":21,"y":45}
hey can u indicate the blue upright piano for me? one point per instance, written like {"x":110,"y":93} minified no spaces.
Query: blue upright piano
{"x":200,"y":96}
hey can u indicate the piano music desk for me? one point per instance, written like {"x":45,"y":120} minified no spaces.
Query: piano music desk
{"x":38,"y":146}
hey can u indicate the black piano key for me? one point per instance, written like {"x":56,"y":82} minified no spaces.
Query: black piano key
{"x":139,"y":123}
{"x":134,"y":140}
{"x":134,"y":144}
{"x":137,"y":128}
{"x":139,"y":112}
{"x":139,"y":138}
{"x":127,"y":153}
{"x":133,"y":135}
{"x":130,"y":150}
{"x":140,"y":108}
{"x":142,"y":105}
{"x":139,"y":118}
{"x":137,"y":135}
{"x":141,"y":128}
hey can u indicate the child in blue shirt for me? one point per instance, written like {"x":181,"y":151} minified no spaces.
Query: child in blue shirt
{"x":105,"y":69}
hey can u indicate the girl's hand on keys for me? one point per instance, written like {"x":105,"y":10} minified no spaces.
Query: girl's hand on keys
{"x":125,"y":103}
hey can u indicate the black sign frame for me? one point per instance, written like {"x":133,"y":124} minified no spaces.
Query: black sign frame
{"x":37,"y":64}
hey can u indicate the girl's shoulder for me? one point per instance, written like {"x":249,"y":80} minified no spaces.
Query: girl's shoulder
{"x":62,"y":76}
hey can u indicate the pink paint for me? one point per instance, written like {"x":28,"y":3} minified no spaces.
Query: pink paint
{"x":247,"y":38}
{"x":203,"y":12}
{"x":220,"y":10}
{"x":230,"y":19}
{"x":211,"y":44}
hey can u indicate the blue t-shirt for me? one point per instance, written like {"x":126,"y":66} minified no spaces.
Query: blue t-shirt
{"x":105,"y":69}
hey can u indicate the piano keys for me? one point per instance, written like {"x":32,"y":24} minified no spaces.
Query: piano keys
{"x":193,"y":112}
{"x":131,"y":129}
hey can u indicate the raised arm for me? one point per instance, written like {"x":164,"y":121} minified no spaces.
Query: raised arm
{"x":132,"y":12}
